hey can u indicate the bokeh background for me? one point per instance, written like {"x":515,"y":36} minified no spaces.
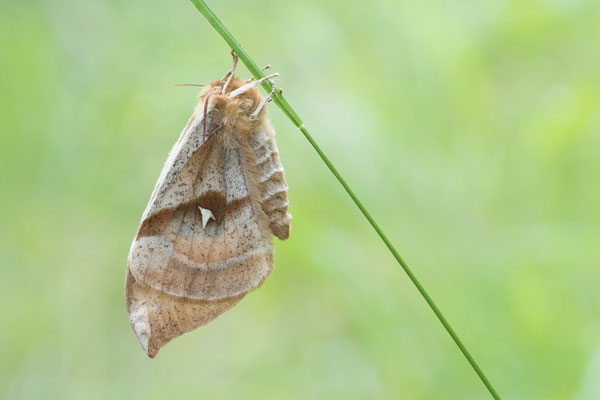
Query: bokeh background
{"x":470,"y":129}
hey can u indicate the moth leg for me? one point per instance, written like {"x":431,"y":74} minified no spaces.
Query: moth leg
{"x":264,"y":101}
{"x":250,"y":85}
{"x":231,"y":72}
{"x":266,"y":67}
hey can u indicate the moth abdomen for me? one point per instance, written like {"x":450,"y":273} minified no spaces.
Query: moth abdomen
{"x":270,"y":180}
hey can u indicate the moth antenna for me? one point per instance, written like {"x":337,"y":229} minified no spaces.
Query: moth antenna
{"x":231,"y":72}
{"x":266,"y":67}
{"x":186,"y":84}
{"x":250,"y":85}
{"x":204,"y":119}
{"x":264,"y":101}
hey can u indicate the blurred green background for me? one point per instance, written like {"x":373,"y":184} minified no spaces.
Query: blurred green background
{"x":470,"y":129}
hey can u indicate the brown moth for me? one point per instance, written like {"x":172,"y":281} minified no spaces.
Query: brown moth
{"x":204,"y":240}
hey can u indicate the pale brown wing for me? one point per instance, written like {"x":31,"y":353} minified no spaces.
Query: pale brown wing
{"x":174,"y":253}
{"x":182,"y":273}
{"x":157,"y":318}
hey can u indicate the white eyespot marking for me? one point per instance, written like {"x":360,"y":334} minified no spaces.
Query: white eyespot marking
{"x":206,"y":216}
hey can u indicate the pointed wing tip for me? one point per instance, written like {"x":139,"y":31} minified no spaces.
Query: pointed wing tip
{"x":145,"y":339}
{"x":151,"y":354}
{"x":142,"y":333}
{"x":145,"y":304}
{"x":143,"y":336}
{"x":139,"y":319}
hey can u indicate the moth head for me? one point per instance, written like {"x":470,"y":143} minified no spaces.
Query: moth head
{"x":240,"y":105}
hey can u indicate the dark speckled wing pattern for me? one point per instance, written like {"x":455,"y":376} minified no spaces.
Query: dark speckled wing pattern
{"x":185,"y":269}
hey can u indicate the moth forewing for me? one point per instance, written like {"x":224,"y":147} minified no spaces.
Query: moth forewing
{"x":204,"y":240}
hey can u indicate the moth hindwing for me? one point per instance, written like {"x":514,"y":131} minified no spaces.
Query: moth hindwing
{"x":204,"y":240}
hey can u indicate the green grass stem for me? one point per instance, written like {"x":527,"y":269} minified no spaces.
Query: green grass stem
{"x":285,"y":107}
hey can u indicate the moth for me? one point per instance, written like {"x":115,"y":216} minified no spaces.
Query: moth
{"x":205,"y":238}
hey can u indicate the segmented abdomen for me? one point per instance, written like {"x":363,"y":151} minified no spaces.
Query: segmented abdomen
{"x":271,"y":181}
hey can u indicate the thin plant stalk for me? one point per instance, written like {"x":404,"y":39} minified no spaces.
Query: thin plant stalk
{"x":285,"y":107}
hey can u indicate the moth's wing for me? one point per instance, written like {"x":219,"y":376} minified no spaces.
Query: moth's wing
{"x":157,"y":318}
{"x":175,"y":253}
{"x":183,"y":162}
{"x":182,"y":271}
